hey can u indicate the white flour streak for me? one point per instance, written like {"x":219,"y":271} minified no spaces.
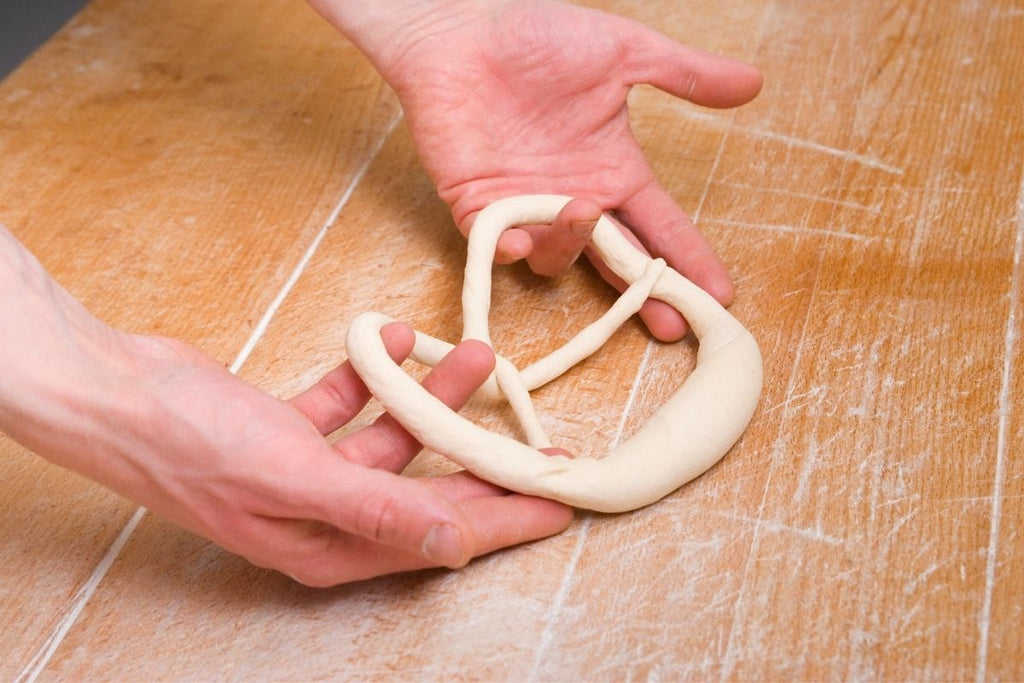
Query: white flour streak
{"x":1009,"y":349}
{"x":844,"y":154}
{"x":778,"y":451}
{"x":790,"y":141}
{"x":631,"y":399}
{"x":43,"y":656}
{"x":548,"y":636}
{"x":795,"y":230}
{"x":777,"y":527}
{"x":714,"y":169}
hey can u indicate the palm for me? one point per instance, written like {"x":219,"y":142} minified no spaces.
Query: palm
{"x":509,"y":113}
{"x":533,"y":99}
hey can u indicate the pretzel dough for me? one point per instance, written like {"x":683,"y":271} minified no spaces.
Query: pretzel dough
{"x":681,"y":440}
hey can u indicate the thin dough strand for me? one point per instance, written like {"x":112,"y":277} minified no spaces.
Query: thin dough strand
{"x":694,"y":429}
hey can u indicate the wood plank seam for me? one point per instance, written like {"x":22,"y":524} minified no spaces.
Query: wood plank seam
{"x":1002,"y":445}
{"x":37,"y":664}
{"x":300,"y":268}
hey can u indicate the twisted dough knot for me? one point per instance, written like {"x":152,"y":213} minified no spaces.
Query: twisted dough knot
{"x":681,"y":440}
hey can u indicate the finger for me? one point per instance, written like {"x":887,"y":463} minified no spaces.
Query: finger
{"x":387,"y":509}
{"x":666,"y":231}
{"x":510,"y":520}
{"x":514,"y":244}
{"x":550,"y":250}
{"x":701,"y":77}
{"x":339,"y":395}
{"x":464,"y":485}
{"x":386,"y":444}
{"x":497,"y":522}
{"x":556,"y":247}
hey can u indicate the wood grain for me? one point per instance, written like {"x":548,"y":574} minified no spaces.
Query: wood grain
{"x":142,"y":162}
{"x":870,"y":205}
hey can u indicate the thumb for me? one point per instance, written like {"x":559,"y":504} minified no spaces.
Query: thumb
{"x":703,"y":78}
{"x":395,"y":511}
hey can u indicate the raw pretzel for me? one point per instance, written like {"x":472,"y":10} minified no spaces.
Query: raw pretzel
{"x":682,"y":439}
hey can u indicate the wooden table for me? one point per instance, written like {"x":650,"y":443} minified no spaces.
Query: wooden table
{"x":237,"y":175}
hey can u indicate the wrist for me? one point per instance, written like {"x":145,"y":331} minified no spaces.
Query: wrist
{"x":386,"y":31}
{"x":61,"y":369}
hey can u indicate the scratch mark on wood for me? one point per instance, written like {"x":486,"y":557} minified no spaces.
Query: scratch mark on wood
{"x":778,"y":451}
{"x":1009,"y":351}
{"x":913,"y":585}
{"x":711,"y":173}
{"x":790,"y":141}
{"x":548,"y":635}
{"x":846,"y":204}
{"x":796,"y":400}
{"x":797,"y":230}
{"x":771,"y":525}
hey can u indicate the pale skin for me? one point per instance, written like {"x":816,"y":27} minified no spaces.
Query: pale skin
{"x":508,"y":97}
{"x":166,"y":426}
{"x":502,"y":98}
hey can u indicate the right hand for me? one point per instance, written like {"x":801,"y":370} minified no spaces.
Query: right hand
{"x":507,"y":98}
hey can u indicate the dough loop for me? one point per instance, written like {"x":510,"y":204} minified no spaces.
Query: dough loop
{"x":682,"y":439}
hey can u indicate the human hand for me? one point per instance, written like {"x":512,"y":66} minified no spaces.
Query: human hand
{"x":523,"y":97}
{"x":168,"y":427}
{"x":256,"y":476}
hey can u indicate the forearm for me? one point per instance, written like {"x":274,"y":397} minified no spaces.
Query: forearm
{"x":59,"y":365}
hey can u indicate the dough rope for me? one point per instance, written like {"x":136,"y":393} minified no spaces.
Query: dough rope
{"x":698,"y":424}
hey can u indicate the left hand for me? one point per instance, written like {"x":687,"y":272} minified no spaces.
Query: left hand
{"x":496,"y":518}
{"x":530,"y":97}
{"x":166,"y":426}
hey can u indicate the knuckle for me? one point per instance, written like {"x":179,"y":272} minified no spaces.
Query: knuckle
{"x":311,"y":563}
{"x":332,"y":399}
{"x":378,"y":518}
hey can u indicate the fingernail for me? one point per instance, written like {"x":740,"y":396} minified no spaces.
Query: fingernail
{"x":443,"y":545}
